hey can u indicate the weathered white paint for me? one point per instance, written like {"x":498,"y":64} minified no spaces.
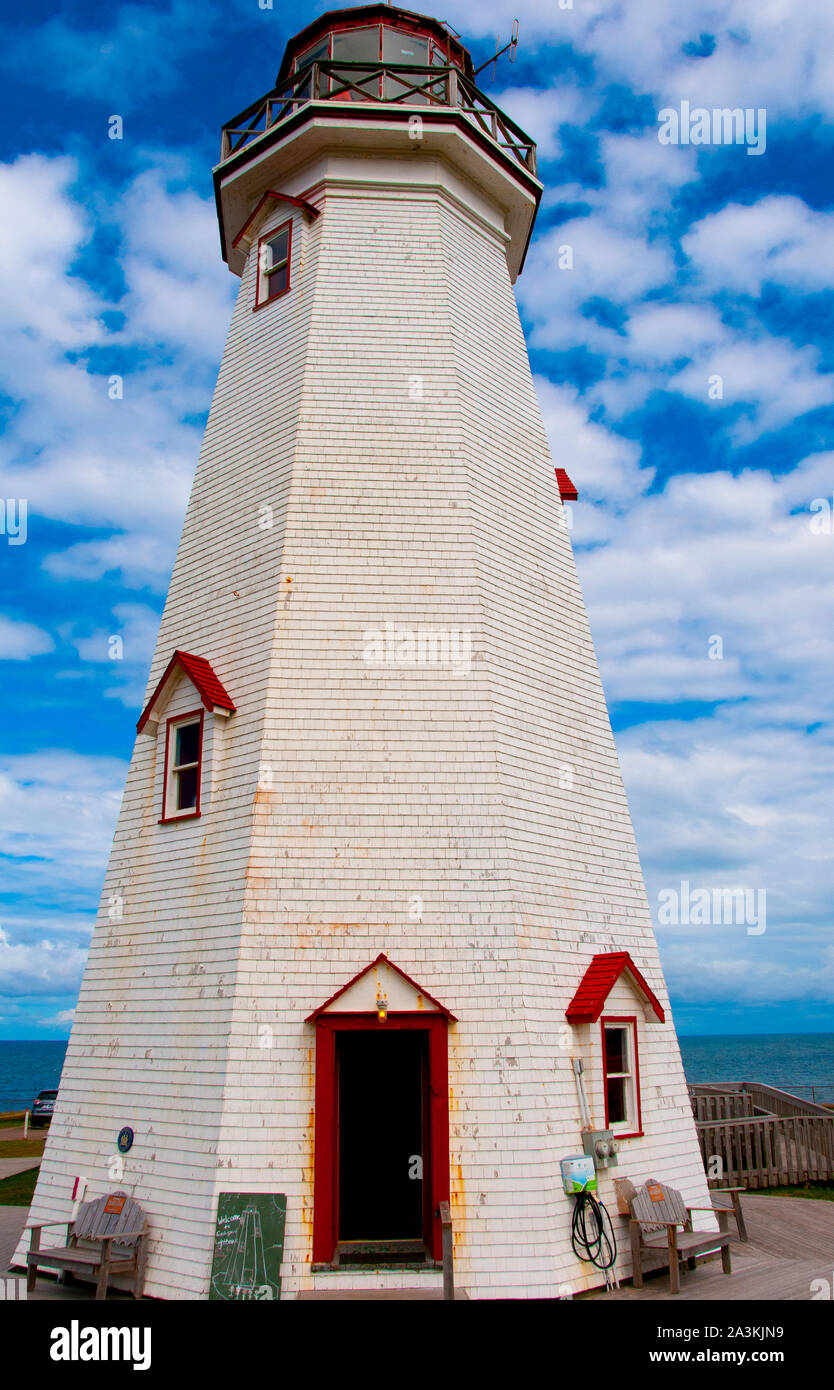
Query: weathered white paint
{"x":374,"y":438}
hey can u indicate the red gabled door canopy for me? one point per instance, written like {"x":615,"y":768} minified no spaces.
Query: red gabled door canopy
{"x":597,"y":983}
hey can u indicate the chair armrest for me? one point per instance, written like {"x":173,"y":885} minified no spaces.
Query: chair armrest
{"x":44,"y":1225}
{"x":700,"y":1208}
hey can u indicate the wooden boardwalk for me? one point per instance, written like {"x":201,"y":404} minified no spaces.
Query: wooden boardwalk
{"x":791,"y":1243}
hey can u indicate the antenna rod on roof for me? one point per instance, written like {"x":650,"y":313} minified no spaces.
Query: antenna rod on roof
{"x":512,"y":46}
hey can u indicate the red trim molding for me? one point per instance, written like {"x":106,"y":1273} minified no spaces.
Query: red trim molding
{"x":597,"y":983}
{"x":632,"y":1020}
{"x":326,"y":1167}
{"x":190,"y":814}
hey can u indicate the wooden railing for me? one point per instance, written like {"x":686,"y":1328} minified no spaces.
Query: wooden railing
{"x":386,"y":83}
{"x":768,"y":1151}
{"x":733,"y":1099}
{"x":720,"y":1105}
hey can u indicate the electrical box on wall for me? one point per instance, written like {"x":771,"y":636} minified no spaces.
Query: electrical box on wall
{"x":602,"y":1146}
{"x":579,"y":1174}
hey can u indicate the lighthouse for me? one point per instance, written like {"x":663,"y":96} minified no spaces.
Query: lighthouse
{"x":374,"y":939}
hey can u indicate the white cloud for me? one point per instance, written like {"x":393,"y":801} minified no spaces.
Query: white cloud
{"x":767,"y":52}
{"x":38,"y":245}
{"x":777,"y":239}
{"x":19,"y":641}
{"x":77,"y":455}
{"x":608,"y":465}
{"x":45,"y":967}
{"x":57,"y":815}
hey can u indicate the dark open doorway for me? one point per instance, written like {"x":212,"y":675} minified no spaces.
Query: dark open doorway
{"x":382,"y":1079}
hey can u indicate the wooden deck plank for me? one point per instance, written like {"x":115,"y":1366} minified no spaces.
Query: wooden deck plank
{"x":791,"y":1243}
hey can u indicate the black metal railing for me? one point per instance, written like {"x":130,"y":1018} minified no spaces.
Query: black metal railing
{"x":385,"y":83}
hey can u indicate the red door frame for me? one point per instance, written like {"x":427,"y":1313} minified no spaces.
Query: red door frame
{"x":326,"y":1171}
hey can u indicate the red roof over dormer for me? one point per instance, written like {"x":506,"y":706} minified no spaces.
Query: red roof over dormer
{"x":567,"y":491}
{"x":597,"y":983}
{"x":272,"y":196}
{"x":201,"y":674}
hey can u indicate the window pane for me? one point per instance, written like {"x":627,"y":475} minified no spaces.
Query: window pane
{"x":313,"y":55}
{"x":405,"y":48}
{"x":277,"y":281}
{"x":187,"y":748}
{"x":318,"y":53}
{"x":357,"y":45}
{"x":617,"y":1108}
{"x":278,"y":247}
{"x":186,"y":789}
{"x":616,"y":1051}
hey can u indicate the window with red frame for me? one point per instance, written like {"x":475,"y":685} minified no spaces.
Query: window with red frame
{"x":274,"y":251}
{"x":183,"y":765}
{"x":621,"y":1075}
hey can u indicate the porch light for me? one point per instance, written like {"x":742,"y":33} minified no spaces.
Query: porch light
{"x":382,"y":1009}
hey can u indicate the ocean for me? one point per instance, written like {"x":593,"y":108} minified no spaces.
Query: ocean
{"x":793,"y":1061}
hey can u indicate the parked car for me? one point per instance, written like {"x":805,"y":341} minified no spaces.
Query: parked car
{"x":42,"y":1109}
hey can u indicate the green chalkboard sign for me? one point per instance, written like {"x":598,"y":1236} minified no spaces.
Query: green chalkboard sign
{"x":248,"y":1245}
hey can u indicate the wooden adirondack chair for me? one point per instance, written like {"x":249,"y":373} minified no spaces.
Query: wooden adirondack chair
{"x":113,"y":1229}
{"x":655,"y":1214}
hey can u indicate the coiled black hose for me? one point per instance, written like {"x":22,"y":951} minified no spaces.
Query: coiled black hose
{"x":592,"y":1234}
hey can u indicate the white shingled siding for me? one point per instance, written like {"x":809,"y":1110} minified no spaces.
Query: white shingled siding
{"x":470,"y":823}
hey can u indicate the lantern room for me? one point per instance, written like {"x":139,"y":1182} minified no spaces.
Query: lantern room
{"x":379,"y":36}
{"x":375,"y":83}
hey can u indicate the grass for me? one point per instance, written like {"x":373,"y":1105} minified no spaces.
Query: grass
{"x":22,"y":1148}
{"x":10,"y":1119}
{"x":19,"y":1190}
{"x":822,"y":1190}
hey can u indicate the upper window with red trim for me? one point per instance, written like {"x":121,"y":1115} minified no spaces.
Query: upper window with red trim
{"x":183,"y":767}
{"x":274,"y":253}
{"x":621,"y":1076}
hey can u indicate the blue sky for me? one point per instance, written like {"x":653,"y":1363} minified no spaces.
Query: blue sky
{"x":702,"y":537}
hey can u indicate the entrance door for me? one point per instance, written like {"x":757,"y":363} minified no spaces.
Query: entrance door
{"x":382,"y":1103}
{"x":382,"y":1111}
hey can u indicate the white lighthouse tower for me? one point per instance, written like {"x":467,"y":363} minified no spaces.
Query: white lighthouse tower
{"x":374,"y":887}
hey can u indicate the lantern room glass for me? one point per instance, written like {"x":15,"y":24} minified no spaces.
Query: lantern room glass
{"x":372,"y":44}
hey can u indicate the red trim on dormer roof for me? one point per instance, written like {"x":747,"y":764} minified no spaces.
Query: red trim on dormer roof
{"x":567,"y":491}
{"x":278,"y":198}
{"x":202,"y":676}
{"x":597,"y":983}
{"x":380,"y":959}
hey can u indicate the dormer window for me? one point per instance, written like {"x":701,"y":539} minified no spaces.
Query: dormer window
{"x":274,"y":252}
{"x":183,"y":761}
{"x":621,"y":1076}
